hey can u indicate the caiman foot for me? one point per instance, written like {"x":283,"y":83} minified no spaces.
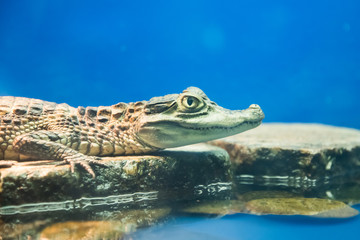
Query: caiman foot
{"x":84,"y":161}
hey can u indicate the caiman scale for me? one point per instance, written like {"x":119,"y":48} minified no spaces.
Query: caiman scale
{"x":36,"y":129}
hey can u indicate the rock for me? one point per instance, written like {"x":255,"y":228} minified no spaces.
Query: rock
{"x":223,"y":207}
{"x":173,"y":174}
{"x":228,"y":207}
{"x":121,"y":223}
{"x":275,"y":203}
{"x":295,"y":155}
{"x":248,"y":196}
{"x":72,"y":225}
{"x":85,"y":230}
{"x":140,"y":217}
{"x":315,"y":207}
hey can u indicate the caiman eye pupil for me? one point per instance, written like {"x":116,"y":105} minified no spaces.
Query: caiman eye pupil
{"x":190,"y":101}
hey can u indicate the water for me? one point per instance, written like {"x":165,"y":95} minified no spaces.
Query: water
{"x":144,"y":215}
{"x":298,"y":60}
{"x":251,"y":227}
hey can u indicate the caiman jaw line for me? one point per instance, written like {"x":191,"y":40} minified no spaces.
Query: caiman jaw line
{"x":220,"y":127}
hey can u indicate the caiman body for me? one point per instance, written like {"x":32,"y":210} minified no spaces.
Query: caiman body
{"x":36,"y":129}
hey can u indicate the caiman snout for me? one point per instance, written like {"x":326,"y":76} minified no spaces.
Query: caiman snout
{"x":251,"y":114}
{"x":256,"y":111}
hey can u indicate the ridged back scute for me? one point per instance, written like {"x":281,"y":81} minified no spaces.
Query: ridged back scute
{"x":49,"y":107}
{"x":139,"y":106}
{"x":63,"y":107}
{"x":35,"y":107}
{"x":6,"y":105}
{"x":101,"y":115}
{"x":104,"y":114}
{"x":118,"y":111}
{"x":133,"y":111}
{"x":81,"y":111}
{"x":20,"y":106}
{"x":26,"y":106}
{"x":91,"y":113}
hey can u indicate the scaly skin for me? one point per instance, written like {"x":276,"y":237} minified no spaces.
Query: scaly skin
{"x":36,"y":129}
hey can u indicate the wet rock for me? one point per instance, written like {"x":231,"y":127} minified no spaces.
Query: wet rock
{"x":301,"y":206}
{"x":70,"y":225}
{"x":85,"y":230}
{"x":295,"y":155}
{"x":223,"y":207}
{"x":115,"y":227}
{"x":173,"y":173}
{"x":141,"y":217}
{"x":228,"y":207}
{"x":275,"y":203}
{"x":248,"y":196}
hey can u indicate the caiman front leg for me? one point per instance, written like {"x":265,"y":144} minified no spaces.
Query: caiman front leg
{"x":52,"y":145}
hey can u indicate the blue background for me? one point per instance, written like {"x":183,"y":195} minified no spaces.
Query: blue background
{"x":299,"y":60}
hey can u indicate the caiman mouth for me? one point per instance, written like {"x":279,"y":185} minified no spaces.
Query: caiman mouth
{"x":165,"y":134}
{"x":171,"y":124}
{"x":245,"y":123}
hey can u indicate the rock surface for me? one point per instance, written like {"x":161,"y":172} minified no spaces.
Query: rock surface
{"x":223,"y":207}
{"x":83,"y":230}
{"x":248,"y":196}
{"x":302,"y":155}
{"x":94,"y":225}
{"x":301,"y":206}
{"x":273,"y":202}
{"x":175,"y":171}
{"x":119,"y":225}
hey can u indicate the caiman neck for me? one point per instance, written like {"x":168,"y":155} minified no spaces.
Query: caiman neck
{"x":124,"y":128}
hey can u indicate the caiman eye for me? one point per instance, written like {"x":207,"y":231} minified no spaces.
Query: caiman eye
{"x":191,"y":103}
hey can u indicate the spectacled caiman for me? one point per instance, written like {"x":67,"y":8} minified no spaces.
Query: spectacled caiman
{"x":37,"y":129}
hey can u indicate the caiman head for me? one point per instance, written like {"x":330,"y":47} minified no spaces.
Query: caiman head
{"x":190,"y":117}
